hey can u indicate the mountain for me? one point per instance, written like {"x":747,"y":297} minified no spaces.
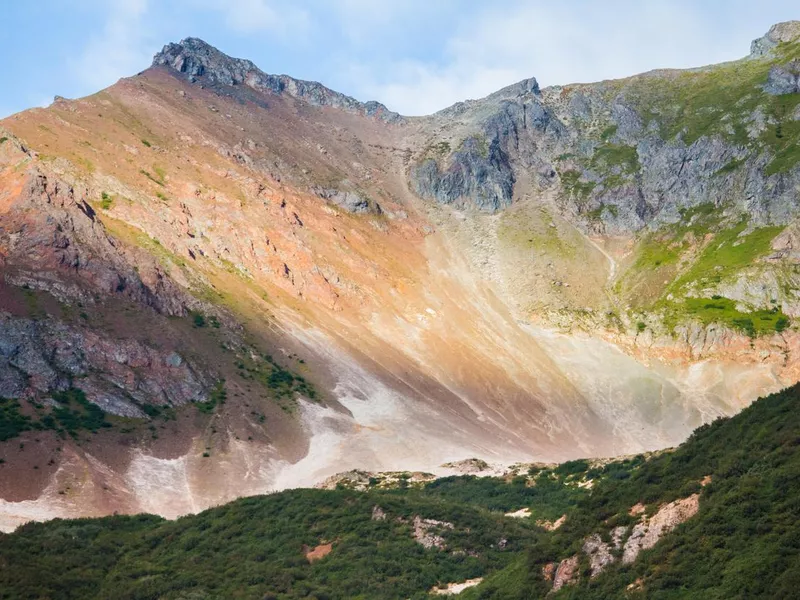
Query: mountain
{"x":218,"y":282}
{"x":715,"y":518}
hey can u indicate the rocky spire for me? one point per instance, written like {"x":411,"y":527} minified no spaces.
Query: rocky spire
{"x":199,"y":61}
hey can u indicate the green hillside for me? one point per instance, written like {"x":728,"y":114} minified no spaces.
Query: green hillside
{"x":743,"y":543}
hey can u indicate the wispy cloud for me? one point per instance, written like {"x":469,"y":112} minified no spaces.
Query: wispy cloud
{"x":279,"y":17}
{"x":558,"y":43}
{"x":416,"y":56}
{"x":121,"y":48}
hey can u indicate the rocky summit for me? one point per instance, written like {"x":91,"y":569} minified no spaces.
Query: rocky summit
{"x":218,"y":282}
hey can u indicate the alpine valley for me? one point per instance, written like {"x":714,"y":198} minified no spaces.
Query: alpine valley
{"x":218,"y":283}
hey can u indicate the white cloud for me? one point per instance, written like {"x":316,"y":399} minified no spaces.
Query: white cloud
{"x":253,"y":16}
{"x":365,"y":20}
{"x":119,"y":49}
{"x":134,"y":30}
{"x":559,"y":43}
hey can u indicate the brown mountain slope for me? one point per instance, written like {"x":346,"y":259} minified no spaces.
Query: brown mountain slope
{"x":164,"y":240}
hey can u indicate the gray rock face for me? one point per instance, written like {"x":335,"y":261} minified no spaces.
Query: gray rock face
{"x":198,"y":61}
{"x":481,"y":176}
{"x":599,"y":553}
{"x":784,"y":79}
{"x":780,"y":32}
{"x":607,"y":153}
{"x":353,"y":202}
{"x":42,"y":356}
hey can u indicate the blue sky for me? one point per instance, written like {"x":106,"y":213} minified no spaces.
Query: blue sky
{"x":415,"y":56}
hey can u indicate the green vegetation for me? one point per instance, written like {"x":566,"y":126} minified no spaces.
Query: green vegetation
{"x":157,"y":180}
{"x":610,"y":156}
{"x":3,"y":140}
{"x":720,"y":101}
{"x":283,"y":385}
{"x":700,"y":251}
{"x":71,"y":414}
{"x":532,"y":230}
{"x":727,"y":253}
{"x":597,"y":213}
{"x":12,"y":421}
{"x":442,"y":148}
{"x":198,"y":319}
{"x":547,"y":491}
{"x":478,"y":142}
{"x":659,"y":253}
{"x":705,"y":102}
{"x":724,"y":312}
{"x":75,"y":413}
{"x":608,"y":133}
{"x":743,"y":543}
{"x":254,"y":548}
{"x":216,"y":397}
{"x":106,"y":201}
{"x":783,"y":138}
{"x":138,"y":238}
{"x":576,"y":189}
{"x":146,"y":143}
{"x":730,"y":166}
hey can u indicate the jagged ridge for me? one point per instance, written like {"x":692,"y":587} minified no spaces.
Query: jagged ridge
{"x":198,"y":60}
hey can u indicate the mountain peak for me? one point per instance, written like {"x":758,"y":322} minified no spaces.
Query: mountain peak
{"x":197,"y":60}
{"x":787,"y":31}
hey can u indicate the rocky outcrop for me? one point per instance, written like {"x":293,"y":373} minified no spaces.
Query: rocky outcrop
{"x":453,"y":589}
{"x":644,"y":535}
{"x":784,"y":79}
{"x":599,"y":553}
{"x":475,"y":175}
{"x":566,"y":573}
{"x":551,"y":525}
{"x":199,"y":62}
{"x":52,"y":240}
{"x":425,"y":532}
{"x":353,"y":202}
{"x":119,"y":375}
{"x":787,"y":31}
{"x":609,"y":150}
{"x":647,"y":532}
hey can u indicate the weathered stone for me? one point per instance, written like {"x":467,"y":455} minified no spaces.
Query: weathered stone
{"x":199,"y":62}
{"x":599,"y":553}
{"x":42,"y":356}
{"x":647,"y":532}
{"x":566,"y":573}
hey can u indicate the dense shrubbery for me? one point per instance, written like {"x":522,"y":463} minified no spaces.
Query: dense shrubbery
{"x":744,"y":542}
{"x":12,"y":421}
{"x":253,"y":548}
{"x":71,"y":414}
{"x":548,"y":496}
